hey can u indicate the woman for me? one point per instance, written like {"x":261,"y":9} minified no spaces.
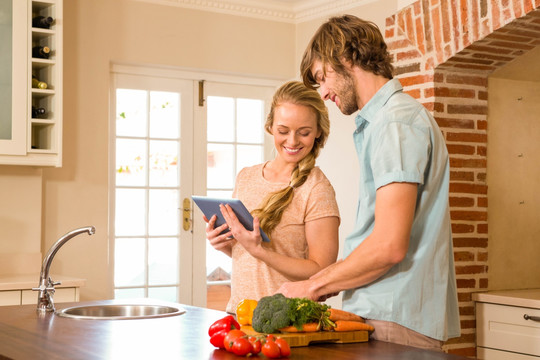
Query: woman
{"x":290,"y":198}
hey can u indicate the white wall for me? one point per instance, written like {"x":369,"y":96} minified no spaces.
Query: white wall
{"x":40,"y":205}
{"x":101,"y":32}
{"x":513,"y":174}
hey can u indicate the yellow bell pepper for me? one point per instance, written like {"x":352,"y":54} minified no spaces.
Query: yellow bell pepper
{"x":244,"y":311}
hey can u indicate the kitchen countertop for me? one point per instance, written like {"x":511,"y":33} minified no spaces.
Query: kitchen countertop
{"x":525,"y":298}
{"x":28,"y":281}
{"x":24,"y":334}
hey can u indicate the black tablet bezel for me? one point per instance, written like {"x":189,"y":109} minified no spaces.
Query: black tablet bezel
{"x":210,"y":206}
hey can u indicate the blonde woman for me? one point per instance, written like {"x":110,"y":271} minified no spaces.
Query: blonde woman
{"x":291,"y":200}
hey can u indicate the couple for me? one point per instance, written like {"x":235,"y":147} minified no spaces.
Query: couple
{"x":398,"y":269}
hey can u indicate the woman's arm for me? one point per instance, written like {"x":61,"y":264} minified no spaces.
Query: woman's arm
{"x":321,"y":235}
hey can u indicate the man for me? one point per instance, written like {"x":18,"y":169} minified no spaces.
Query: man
{"x":398,"y":270}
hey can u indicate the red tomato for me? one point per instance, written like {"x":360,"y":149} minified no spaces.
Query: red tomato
{"x":270,"y":349}
{"x":241,"y":346}
{"x":270,"y":337}
{"x":255,"y":344}
{"x":284,"y":347}
{"x":218,"y":337}
{"x":230,"y":337}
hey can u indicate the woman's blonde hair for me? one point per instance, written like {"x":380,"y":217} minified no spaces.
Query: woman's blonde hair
{"x":293,"y":92}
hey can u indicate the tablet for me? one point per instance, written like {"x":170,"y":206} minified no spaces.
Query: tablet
{"x":210,"y":206}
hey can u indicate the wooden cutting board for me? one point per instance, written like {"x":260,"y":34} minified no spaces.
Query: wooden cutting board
{"x":304,"y":339}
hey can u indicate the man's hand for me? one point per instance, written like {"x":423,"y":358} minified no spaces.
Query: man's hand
{"x":298,"y":289}
{"x":301,"y":289}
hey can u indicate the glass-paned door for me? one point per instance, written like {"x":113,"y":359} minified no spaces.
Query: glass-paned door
{"x":164,"y":148}
{"x":152,"y":151}
{"x":235,"y":138}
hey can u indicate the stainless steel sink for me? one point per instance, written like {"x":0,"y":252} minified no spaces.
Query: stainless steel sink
{"x":120,"y":311}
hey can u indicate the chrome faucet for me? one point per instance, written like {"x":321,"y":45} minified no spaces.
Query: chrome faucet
{"x":46,"y":285}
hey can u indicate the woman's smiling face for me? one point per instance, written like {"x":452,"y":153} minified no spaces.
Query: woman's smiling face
{"x":294,"y":129}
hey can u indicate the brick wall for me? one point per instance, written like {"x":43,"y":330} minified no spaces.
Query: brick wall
{"x":444,"y":51}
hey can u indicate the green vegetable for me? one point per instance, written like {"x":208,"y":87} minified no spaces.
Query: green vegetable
{"x":303,"y":311}
{"x":275,"y":312}
{"x":271,"y":313}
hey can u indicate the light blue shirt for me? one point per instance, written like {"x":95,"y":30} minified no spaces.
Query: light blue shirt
{"x":397,"y":140}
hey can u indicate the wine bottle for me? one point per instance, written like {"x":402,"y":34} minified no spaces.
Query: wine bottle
{"x":38,"y":112}
{"x":42,"y":52}
{"x":43,"y":22}
{"x":37,"y":83}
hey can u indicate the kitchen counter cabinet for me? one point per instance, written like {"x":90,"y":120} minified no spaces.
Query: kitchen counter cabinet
{"x":26,"y":335}
{"x":508,"y":325}
{"x":17,"y":289}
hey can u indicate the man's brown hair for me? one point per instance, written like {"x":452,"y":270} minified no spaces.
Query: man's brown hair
{"x":350,"y":39}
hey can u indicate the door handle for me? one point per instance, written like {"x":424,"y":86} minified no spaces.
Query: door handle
{"x":533,"y":318}
{"x":186,"y":214}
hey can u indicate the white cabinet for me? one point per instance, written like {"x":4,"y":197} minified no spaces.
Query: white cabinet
{"x":11,"y":297}
{"x":68,"y":294}
{"x":17,"y":289}
{"x":13,"y":76}
{"x":28,"y":296}
{"x":25,"y":138}
{"x":508,"y":325}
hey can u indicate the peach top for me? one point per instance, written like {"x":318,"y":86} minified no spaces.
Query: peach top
{"x":315,"y":199}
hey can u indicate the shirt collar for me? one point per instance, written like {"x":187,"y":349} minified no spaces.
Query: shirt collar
{"x":368,"y":112}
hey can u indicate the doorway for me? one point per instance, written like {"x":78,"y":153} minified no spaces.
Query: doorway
{"x":172,"y":137}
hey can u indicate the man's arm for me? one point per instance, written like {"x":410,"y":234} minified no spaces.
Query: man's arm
{"x":386,"y":246}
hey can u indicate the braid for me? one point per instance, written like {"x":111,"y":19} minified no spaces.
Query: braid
{"x":274,"y":204}
{"x":302,"y":170}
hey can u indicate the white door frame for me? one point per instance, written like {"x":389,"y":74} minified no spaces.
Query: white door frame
{"x":198,"y":273}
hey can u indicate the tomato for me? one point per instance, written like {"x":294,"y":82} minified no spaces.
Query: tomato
{"x":230,"y":337}
{"x":218,"y":337}
{"x":255,"y":344}
{"x":241,"y":346}
{"x":270,"y":337}
{"x":270,"y":349}
{"x":284,"y":348}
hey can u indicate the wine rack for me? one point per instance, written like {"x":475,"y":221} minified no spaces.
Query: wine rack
{"x":36,"y":112}
{"x":44,"y":132}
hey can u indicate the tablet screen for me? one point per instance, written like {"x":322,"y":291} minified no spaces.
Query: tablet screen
{"x":210,"y":206}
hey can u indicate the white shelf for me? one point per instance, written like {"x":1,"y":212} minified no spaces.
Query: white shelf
{"x":34,"y":141}
{"x":45,"y":134}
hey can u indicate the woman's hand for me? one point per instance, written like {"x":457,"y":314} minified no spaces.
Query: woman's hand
{"x":220,"y":242}
{"x":250,"y":240}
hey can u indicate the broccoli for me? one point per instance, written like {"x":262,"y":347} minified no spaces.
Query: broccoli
{"x":271,"y":314}
{"x":277,"y":311}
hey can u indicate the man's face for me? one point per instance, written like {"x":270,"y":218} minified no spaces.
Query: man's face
{"x":335,"y":87}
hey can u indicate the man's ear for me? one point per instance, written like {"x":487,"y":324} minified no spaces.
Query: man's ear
{"x":348,"y":64}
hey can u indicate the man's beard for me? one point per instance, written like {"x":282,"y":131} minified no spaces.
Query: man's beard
{"x":347,"y":95}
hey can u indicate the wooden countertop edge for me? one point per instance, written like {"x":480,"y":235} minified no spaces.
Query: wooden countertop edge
{"x":24,"y":282}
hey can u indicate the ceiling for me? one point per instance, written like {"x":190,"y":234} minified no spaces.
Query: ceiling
{"x":293,"y":11}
